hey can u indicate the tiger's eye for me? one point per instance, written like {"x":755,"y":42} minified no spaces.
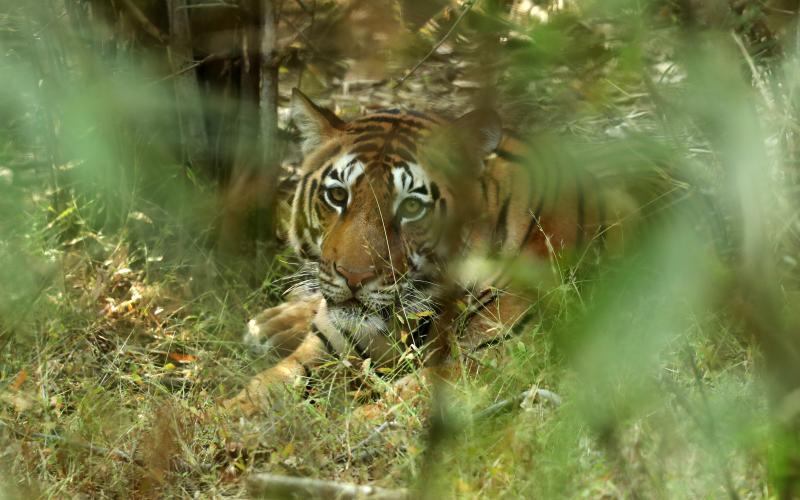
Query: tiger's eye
{"x":411,"y":208}
{"x":338,"y":195}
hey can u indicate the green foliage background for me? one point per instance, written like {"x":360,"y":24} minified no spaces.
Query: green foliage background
{"x":120,"y":312}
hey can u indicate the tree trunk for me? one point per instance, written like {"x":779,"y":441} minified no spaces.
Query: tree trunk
{"x":187,"y":91}
{"x":249,"y":199}
{"x":268,"y":107}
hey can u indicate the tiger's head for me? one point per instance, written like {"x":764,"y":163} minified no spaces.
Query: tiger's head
{"x":375,"y":204}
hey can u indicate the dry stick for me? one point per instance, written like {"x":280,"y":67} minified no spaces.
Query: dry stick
{"x":149,"y":28}
{"x":500,"y":406}
{"x":422,"y":61}
{"x":275,"y":486}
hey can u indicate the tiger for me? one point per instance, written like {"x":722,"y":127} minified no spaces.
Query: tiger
{"x":387,"y":207}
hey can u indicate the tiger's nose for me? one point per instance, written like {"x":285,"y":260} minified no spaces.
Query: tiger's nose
{"x":356,"y":277}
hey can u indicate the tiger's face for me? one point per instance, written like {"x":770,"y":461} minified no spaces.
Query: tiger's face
{"x":371,"y":212}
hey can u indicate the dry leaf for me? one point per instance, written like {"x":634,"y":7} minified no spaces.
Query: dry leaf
{"x":182,"y":358}
{"x":20,"y":379}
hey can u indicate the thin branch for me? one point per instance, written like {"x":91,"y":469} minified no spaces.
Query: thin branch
{"x":215,"y":5}
{"x":275,"y":486}
{"x":193,"y":65}
{"x":467,"y":7}
{"x":757,"y":77}
{"x":149,"y":28}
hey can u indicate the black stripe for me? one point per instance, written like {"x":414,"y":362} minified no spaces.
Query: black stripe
{"x":500,"y":228}
{"x":369,"y":147}
{"x":312,"y":193}
{"x":326,"y":171}
{"x":376,"y":119}
{"x":509,"y":156}
{"x":404,"y":154}
{"x":420,"y":114}
{"x":419,"y":336}
{"x":406,"y":142}
{"x":368,"y":137}
{"x":413,"y":124}
{"x":434,"y":191}
{"x":406,"y":170}
{"x":325,"y":340}
{"x":516,"y":329}
{"x":485,"y":304}
{"x":537,"y":213}
{"x":366,"y":128}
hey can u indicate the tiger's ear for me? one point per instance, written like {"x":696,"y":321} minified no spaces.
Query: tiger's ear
{"x":480,"y":131}
{"x":316,"y":124}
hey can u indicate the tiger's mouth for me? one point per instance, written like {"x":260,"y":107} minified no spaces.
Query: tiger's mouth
{"x":357,"y":304}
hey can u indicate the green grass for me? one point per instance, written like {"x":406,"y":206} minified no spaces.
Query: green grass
{"x":126,"y":352}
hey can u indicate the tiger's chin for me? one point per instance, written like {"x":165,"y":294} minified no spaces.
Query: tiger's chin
{"x":352,"y":316}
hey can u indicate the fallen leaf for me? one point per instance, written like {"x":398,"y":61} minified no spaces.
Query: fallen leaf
{"x":182,"y":358}
{"x":20,"y":379}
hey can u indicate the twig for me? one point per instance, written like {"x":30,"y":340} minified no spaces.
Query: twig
{"x":100,"y":450}
{"x":366,"y":441}
{"x":467,"y":6}
{"x":190,"y":67}
{"x":529,"y":395}
{"x":275,"y":486}
{"x":149,"y":28}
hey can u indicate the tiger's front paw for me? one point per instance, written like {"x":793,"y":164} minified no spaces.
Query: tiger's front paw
{"x":280,"y":329}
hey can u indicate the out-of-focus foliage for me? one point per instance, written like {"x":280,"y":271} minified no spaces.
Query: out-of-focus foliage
{"x":141,"y":141}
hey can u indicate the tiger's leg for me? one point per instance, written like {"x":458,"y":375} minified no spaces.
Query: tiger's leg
{"x":492,"y":321}
{"x":256,"y":395}
{"x":282,"y":328}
